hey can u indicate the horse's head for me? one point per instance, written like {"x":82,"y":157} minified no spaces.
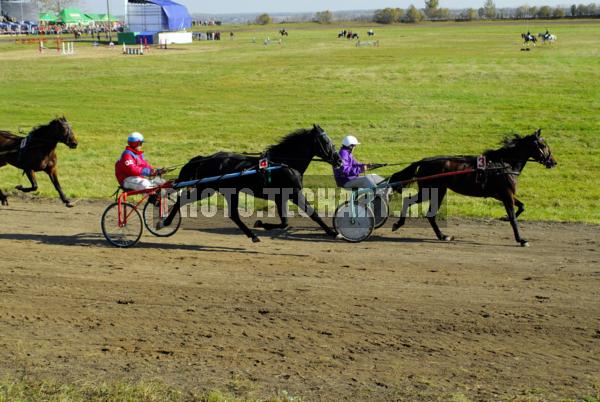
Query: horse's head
{"x":324,"y":147}
{"x":539,"y":149}
{"x":62,"y":131}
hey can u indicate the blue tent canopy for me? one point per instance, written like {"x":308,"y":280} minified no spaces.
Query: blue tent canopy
{"x":177,"y":15}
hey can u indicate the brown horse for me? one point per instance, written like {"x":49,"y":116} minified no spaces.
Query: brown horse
{"x":496,"y":177}
{"x":36,"y":152}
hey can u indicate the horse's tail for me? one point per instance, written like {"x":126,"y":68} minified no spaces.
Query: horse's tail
{"x":404,"y":175}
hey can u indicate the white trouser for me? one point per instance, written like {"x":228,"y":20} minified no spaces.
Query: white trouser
{"x":368,"y":181}
{"x":141,"y":183}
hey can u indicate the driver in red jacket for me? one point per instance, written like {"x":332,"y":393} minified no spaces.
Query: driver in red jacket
{"x":133,"y":172}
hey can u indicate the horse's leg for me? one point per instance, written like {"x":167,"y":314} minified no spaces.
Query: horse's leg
{"x":298,"y":198}
{"x":282,"y":210}
{"x":31,"y":176}
{"x":520,"y":208}
{"x":234,"y":215}
{"x":509,"y":204}
{"x":408,"y":201}
{"x":3,"y":198}
{"x":51,"y":172}
{"x":433,"y":209}
{"x":192,"y":196}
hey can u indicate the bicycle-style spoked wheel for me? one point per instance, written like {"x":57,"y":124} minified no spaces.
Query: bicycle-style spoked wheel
{"x":380,"y":208}
{"x":355,"y":222}
{"x":126,"y":233}
{"x":155,"y":213}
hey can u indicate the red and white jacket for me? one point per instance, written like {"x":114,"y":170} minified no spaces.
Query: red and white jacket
{"x":132,"y":163}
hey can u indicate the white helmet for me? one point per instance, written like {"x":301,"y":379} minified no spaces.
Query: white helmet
{"x":135,"y":137}
{"x":350,"y":140}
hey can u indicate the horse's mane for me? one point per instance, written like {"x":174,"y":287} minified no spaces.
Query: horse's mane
{"x":508,"y":146}
{"x":288,"y":140}
{"x":43,"y":128}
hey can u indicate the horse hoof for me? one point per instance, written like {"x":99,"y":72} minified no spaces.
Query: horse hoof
{"x":258,"y":224}
{"x":19,"y":187}
{"x":447,"y":238}
{"x":5,"y":202}
{"x":68,"y":204}
{"x":524,"y":243}
{"x":339,"y":237}
{"x":255,"y":240}
{"x":395,"y":227}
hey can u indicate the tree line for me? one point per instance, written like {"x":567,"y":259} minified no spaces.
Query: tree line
{"x":433,"y":12}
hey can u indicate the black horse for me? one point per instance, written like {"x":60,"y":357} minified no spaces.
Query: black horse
{"x":496,"y":179}
{"x":283,"y":32}
{"x":37,"y":152}
{"x":294,"y":152}
{"x":528,"y":37}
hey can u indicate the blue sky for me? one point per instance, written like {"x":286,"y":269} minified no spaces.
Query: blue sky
{"x":271,"y":6}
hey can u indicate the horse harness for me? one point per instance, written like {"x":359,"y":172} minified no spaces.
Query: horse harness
{"x":486,"y":168}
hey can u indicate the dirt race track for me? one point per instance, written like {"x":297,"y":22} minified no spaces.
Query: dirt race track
{"x":397,"y":317}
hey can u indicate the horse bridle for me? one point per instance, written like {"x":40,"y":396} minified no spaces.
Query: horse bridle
{"x":544,"y":158}
{"x":322,"y":136}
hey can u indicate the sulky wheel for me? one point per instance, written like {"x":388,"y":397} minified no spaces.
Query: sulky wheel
{"x":380,"y":208}
{"x":153,"y":215}
{"x":128,"y":232}
{"x":354,"y":223}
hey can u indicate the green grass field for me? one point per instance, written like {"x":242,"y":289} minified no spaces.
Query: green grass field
{"x":429,"y":89}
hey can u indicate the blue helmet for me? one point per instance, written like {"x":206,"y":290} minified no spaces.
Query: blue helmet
{"x":135,"y":138}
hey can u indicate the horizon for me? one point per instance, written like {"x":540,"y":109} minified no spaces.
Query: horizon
{"x":117,"y":7}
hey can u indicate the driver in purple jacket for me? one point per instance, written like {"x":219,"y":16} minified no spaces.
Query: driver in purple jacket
{"x":348,"y":175}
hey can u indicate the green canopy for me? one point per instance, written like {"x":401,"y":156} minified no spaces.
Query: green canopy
{"x":47,"y":17}
{"x":101,"y":17}
{"x":73,"y":16}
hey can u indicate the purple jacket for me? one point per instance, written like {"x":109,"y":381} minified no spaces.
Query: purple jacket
{"x":350,"y":168}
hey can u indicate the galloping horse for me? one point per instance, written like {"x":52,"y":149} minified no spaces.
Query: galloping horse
{"x":283,"y":32}
{"x":498,"y":179}
{"x":528,"y":37}
{"x":547,"y":37}
{"x":294,"y":152}
{"x":36,"y":152}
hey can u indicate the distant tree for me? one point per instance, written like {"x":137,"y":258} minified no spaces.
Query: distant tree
{"x":581,"y":10}
{"x":544,"y":12}
{"x":522,"y":12}
{"x":413,"y":14}
{"x":443,"y":14}
{"x":388,"y":15}
{"x":592,"y":9}
{"x":56,"y":5}
{"x":324,"y":17}
{"x":558,"y":12}
{"x":489,"y":9}
{"x":264,"y":19}
{"x":573,"y":10}
{"x":470,"y":14}
{"x":533,"y":11}
{"x":431,"y":8}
